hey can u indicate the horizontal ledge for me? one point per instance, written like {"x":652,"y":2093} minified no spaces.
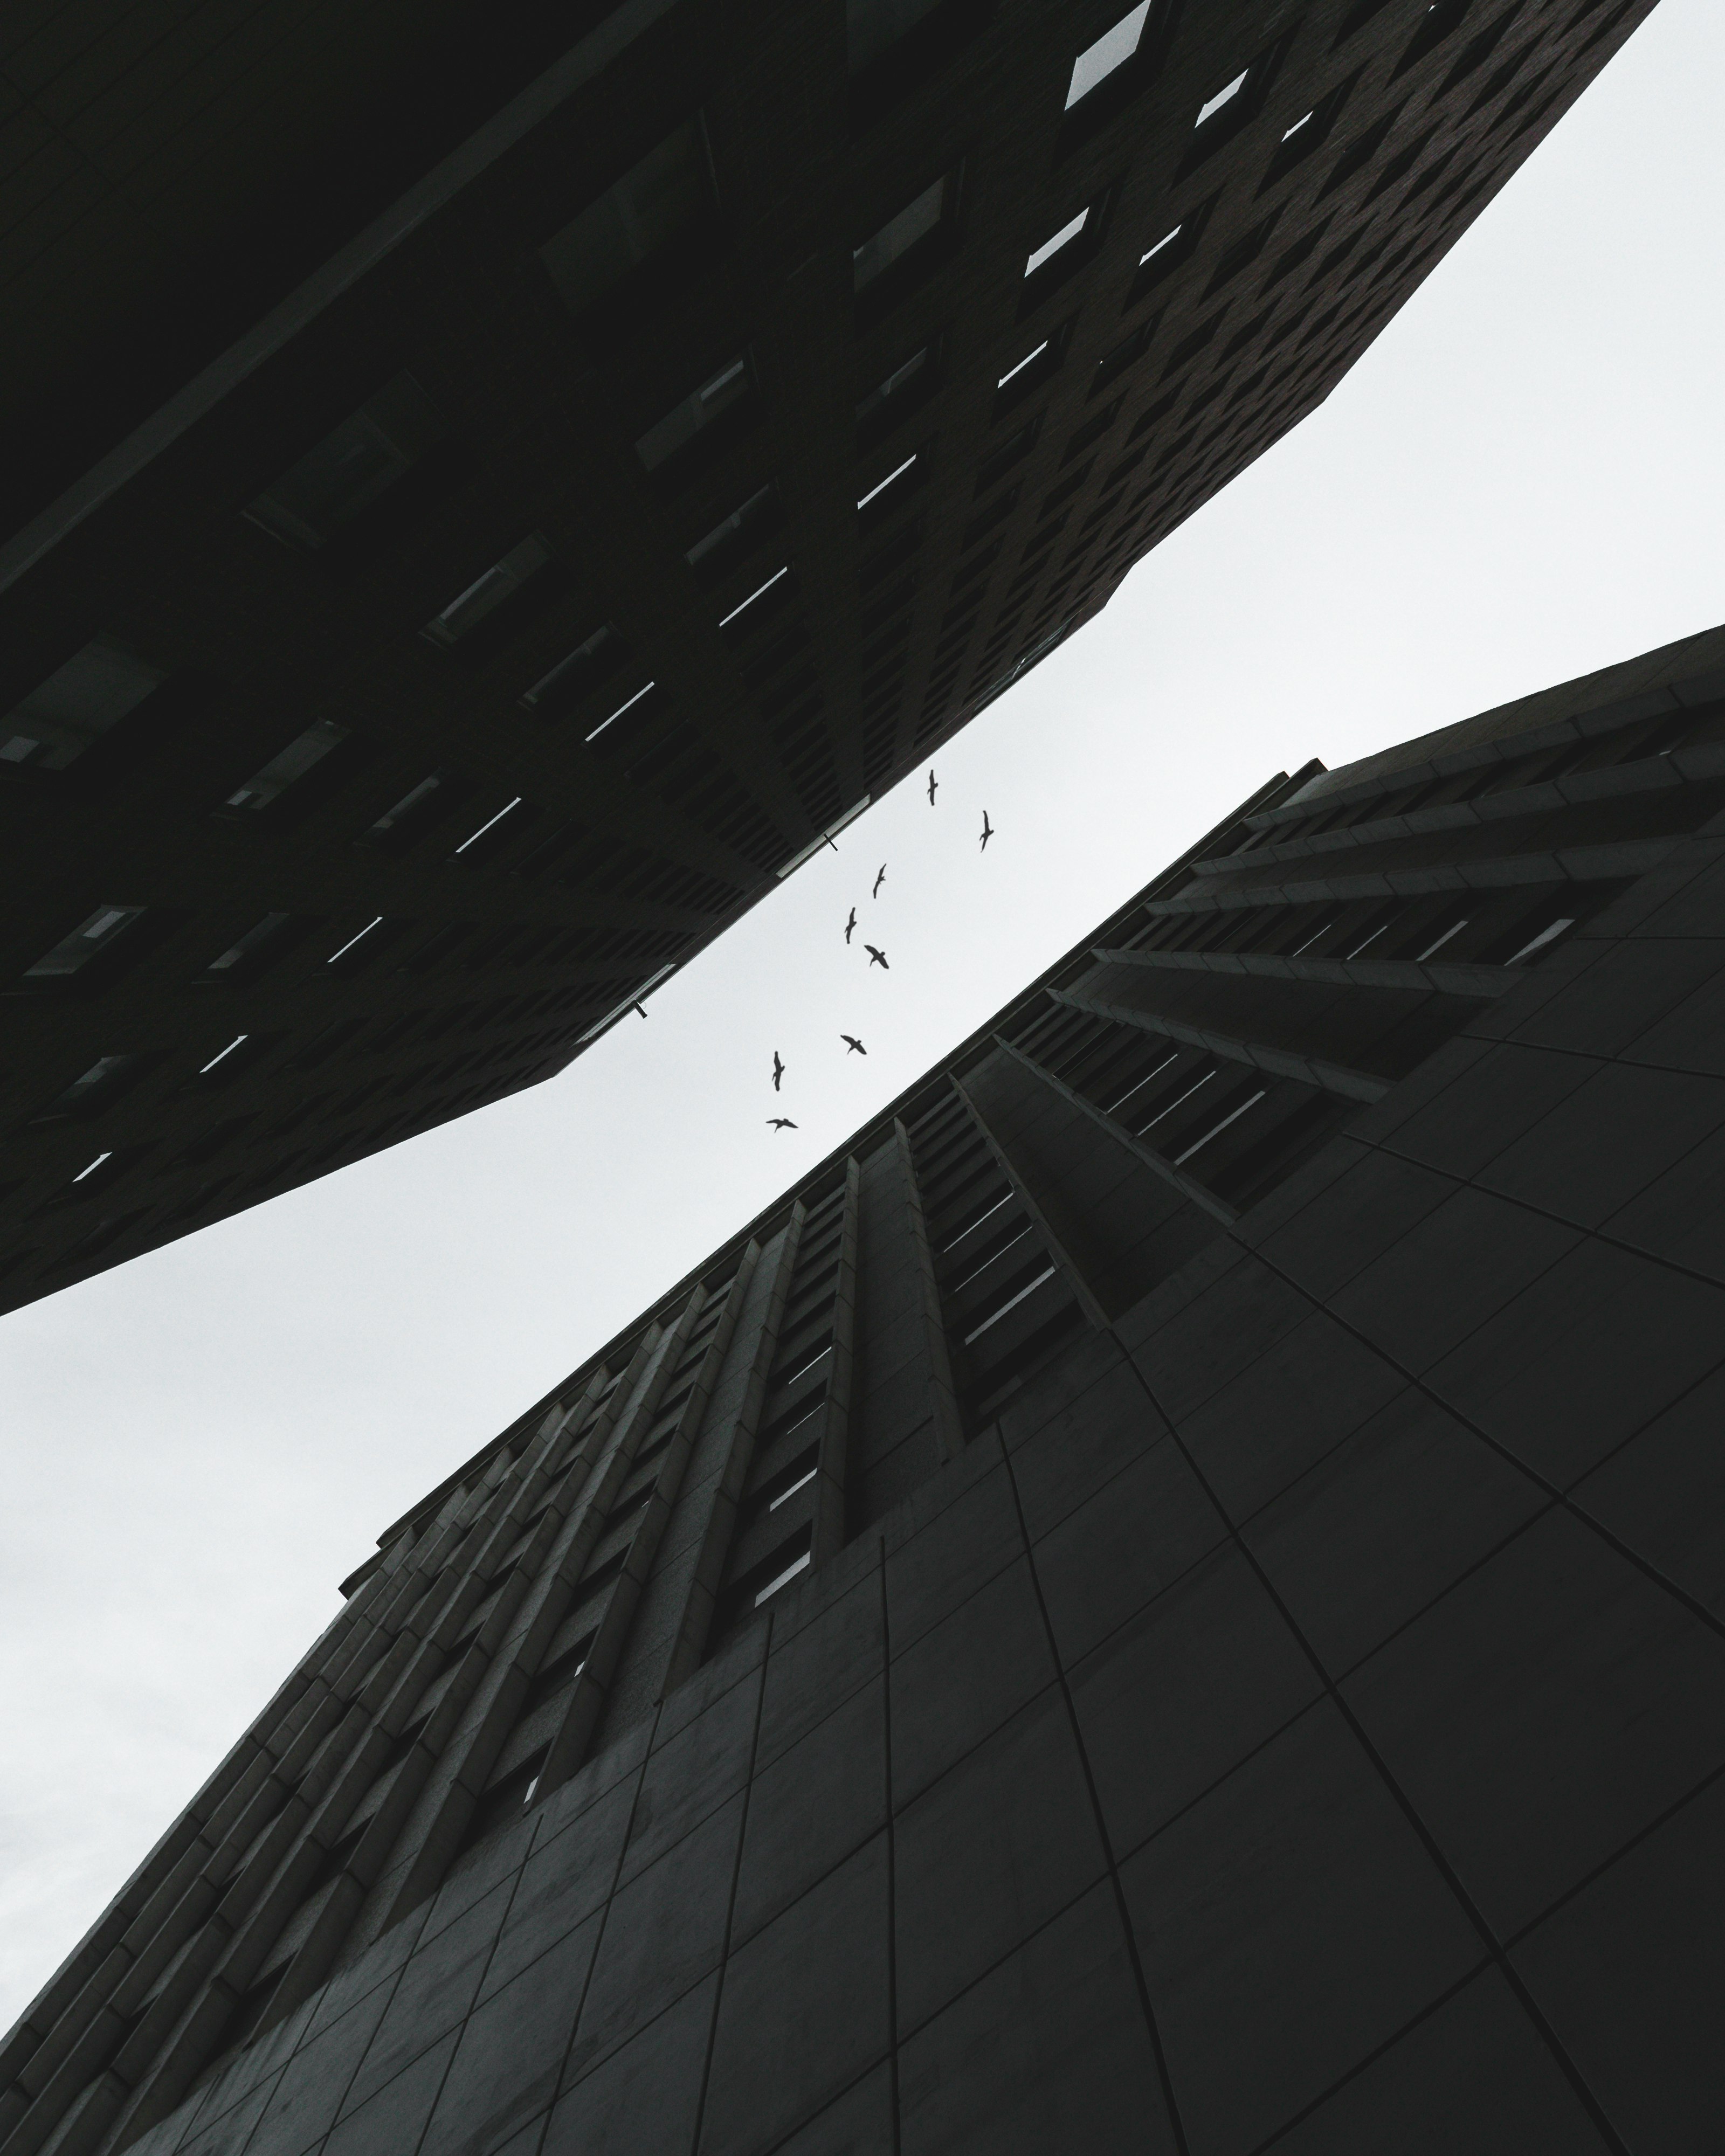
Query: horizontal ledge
{"x":1338,"y":1078}
{"x":1341,"y":972}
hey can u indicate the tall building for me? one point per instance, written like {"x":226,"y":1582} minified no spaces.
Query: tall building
{"x":485,"y":509}
{"x":1169,"y":1596}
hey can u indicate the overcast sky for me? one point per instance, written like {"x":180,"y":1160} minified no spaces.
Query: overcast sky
{"x":1522,"y":480}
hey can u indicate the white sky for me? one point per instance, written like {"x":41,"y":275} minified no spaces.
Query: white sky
{"x":1522,"y":480}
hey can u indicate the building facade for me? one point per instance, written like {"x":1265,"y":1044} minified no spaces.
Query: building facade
{"x":462,"y":638}
{"x":1170,"y":1596}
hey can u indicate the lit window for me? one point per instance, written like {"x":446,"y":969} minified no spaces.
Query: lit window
{"x":77,"y":705}
{"x":880,"y":486}
{"x":1063,"y":237}
{"x":586,"y":666}
{"x":760,"y":592}
{"x":490,"y":823}
{"x":350,"y":467}
{"x":222,"y":1055}
{"x":84,"y":1172}
{"x":782,"y":1579}
{"x":1167,"y":239}
{"x":686,"y":421}
{"x":916,"y":222}
{"x":282,"y":771}
{"x":1112,"y":50}
{"x":627,"y":704}
{"x":91,"y":937}
{"x":1549,"y":934}
{"x":342,"y":950}
{"x":1019,"y":366}
{"x":485,"y":595}
{"x":1289,"y":133}
{"x":656,"y":202}
{"x":1225,"y":95}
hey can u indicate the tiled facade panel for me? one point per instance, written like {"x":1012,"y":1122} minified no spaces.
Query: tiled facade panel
{"x":1295,"y":1720}
{"x":1150,"y":1603}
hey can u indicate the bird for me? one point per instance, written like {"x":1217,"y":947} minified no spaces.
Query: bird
{"x":879,"y":880}
{"x":930,"y":789}
{"x":853,"y":1046}
{"x":777,"y":1070}
{"x":987,"y":831}
{"x":781,"y":1123}
{"x":877,"y":957}
{"x":850,"y":925}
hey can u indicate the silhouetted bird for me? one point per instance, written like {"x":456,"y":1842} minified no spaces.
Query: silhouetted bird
{"x":853,"y":1046}
{"x":879,"y":880}
{"x":777,"y":1070}
{"x":988,"y":832}
{"x":930,"y":789}
{"x":780,"y":1123}
{"x":850,"y":925}
{"x":877,"y":957}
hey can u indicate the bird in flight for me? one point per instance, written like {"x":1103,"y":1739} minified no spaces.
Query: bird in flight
{"x":781,"y":1123}
{"x":987,"y":831}
{"x":853,"y":1046}
{"x":850,"y":925}
{"x":877,"y":957}
{"x":930,"y":789}
{"x":777,"y":1070}
{"x":879,"y":880}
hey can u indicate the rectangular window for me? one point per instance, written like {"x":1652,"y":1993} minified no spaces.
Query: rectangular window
{"x":482,"y":598}
{"x":89,"y":940}
{"x":736,"y":537}
{"x":898,"y":395}
{"x":106,"y":1078}
{"x":77,"y":705}
{"x":685,"y":422}
{"x":1111,"y":50}
{"x":918,"y":221}
{"x":659,"y":200}
{"x":351,"y":468}
{"x":569,"y":681}
{"x":248,"y":953}
{"x":287,"y":768}
{"x":1052,"y":245}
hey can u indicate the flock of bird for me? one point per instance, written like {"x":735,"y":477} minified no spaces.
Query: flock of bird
{"x":877,"y":957}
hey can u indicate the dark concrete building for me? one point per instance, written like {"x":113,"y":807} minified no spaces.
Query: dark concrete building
{"x":1171,"y":1596}
{"x":482,"y":505}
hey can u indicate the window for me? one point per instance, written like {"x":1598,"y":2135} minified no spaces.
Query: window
{"x":687,"y":421}
{"x":347,"y":956}
{"x":657,"y":200}
{"x":586,"y":666}
{"x":248,"y":954}
{"x":491,"y":829}
{"x":1167,"y":239}
{"x":736,"y":537}
{"x":421,"y":805}
{"x":627,"y":705}
{"x":301,"y":755}
{"x":501,"y":582}
{"x":885,"y":495}
{"x":898,"y":395}
{"x":1026,"y":373}
{"x":1051,"y":246}
{"x":91,"y":939}
{"x":108,"y":1076}
{"x":745,"y":615}
{"x":77,"y":705}
{"x":918,"y":221}
{"x":1112,"y":50}
{"x":1225,"y":95}
{"x":350,"y":467}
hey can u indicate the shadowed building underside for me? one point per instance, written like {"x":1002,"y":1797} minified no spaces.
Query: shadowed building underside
{"x":477,"y":617}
